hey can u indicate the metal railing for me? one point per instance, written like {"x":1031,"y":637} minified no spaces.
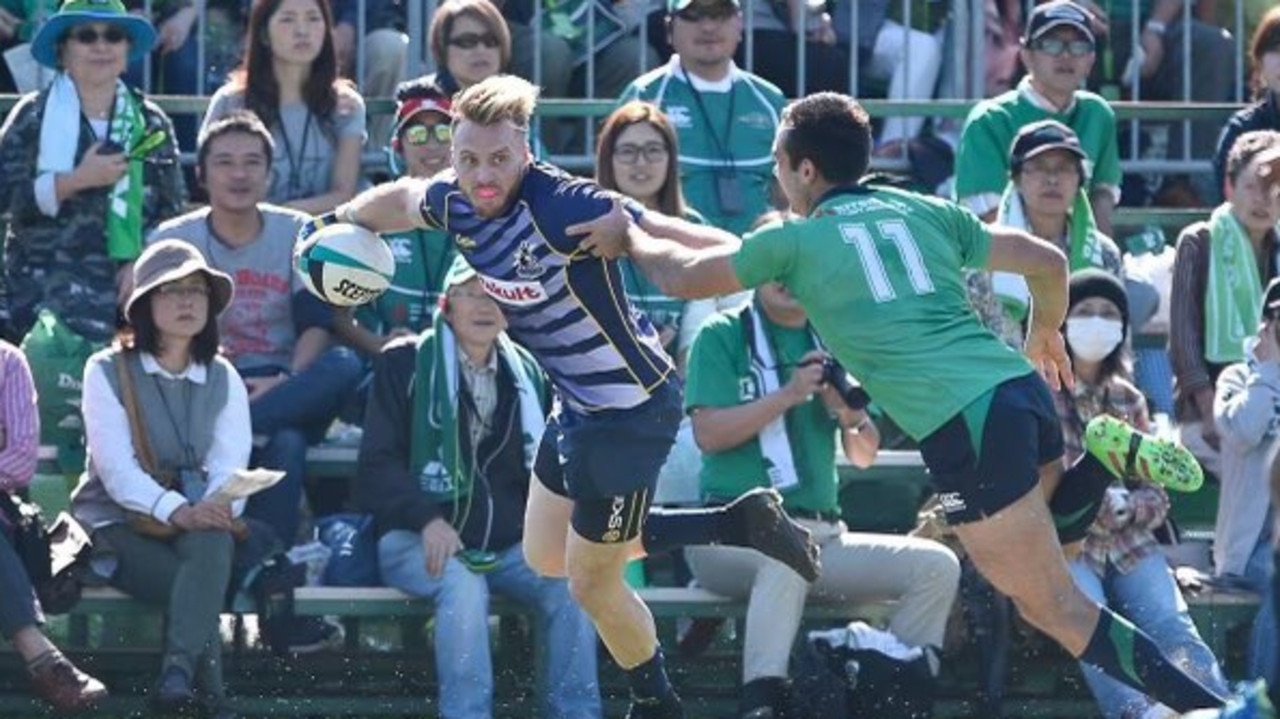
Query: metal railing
{"x":961,"y":30}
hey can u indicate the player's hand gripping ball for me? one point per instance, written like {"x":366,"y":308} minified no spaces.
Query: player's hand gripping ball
{"x":344,"y":265}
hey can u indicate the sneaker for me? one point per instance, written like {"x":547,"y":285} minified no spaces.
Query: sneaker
{"x":669,"y":707}
{"x":301,"y":635}
{"x":1127,"y":453}
{"x":767,"y":529}
{"x":174,"y":693}
{"x":64,"y":687}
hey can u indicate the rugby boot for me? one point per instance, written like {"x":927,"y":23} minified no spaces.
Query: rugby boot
{"x":767,"y":529}
{"x":1130,"y":454}
{"x":668,"y":707}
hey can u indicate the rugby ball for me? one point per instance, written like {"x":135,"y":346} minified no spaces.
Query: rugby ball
{"x":345,"y":265}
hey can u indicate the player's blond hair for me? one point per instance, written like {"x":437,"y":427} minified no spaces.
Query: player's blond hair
{"x":501,"y":98}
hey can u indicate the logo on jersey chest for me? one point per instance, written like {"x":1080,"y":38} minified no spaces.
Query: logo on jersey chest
{"x":527,"y":265}
{"x":401,"y":250}
{"x":508,"y":292}
{"x":679,"y":116}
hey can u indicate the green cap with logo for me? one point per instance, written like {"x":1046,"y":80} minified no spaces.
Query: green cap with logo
{"x":459,"y":273}
{"x":676,"y":6}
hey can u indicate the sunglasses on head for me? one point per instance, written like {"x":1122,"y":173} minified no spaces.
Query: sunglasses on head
{"x":1058,"y":47}
{"x":468,"y":40}
{"x":422,"y":134}
{"x":90,"y":35}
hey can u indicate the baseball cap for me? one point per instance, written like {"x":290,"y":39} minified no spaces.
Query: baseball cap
{"x":1271,"y":300}
{"x":676,"y":6}
{"x":1057,"y":13}
{"x":1041,"y":137}
{"x":414,"y":106}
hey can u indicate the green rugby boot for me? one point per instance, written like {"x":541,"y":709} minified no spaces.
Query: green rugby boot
{"x":1128,"y":453}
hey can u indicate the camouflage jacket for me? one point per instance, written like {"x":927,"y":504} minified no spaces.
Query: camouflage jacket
{"x":61,"y":262}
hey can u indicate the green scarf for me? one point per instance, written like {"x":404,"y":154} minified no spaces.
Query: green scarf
{"x":435,"y":454}
{"x":124,"y":208}
{"x":1083,"y":250}
{"x":1233,"y":294}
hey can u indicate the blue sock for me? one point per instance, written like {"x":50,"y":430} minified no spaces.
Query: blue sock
{"x":649,"y":679}
{"x":1128,"y":655}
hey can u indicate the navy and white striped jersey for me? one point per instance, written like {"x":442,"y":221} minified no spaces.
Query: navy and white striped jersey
{"x":568,"y":308}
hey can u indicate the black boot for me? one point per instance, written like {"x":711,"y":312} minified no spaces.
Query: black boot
{"x":762,"y":525}
{"x":174,"y":692}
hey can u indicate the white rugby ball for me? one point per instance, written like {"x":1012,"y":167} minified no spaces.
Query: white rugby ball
{"x":345,"y":265}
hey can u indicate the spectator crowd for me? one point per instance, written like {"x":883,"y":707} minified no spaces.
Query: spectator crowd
{"x":187,"y":339}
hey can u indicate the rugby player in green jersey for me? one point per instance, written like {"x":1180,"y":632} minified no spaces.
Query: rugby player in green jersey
{"x":879,"y":271}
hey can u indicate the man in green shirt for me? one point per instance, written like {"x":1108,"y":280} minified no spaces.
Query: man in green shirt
{"x":764,"y":417}
{"x":880,"y":273}
{"x":724,"y":116}
{"x":1058,"y":52}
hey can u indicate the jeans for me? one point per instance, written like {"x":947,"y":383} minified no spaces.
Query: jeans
{"x":293,"y":415}
{"x":1148,"y":597}
{"x":19,"y":608}
{"x":463,"y":662}
{"x":1258,"y":572}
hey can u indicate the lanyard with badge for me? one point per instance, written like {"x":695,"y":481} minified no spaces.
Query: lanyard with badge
{"x":728,"y":187}
{"x":294,"y":182}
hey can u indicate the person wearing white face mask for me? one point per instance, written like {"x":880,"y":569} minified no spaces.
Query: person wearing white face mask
{"x":1120,"y":564}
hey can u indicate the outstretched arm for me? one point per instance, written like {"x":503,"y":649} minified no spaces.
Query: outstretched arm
{"x":682,"y":272}
{"x":607,"y":236}
{"x":390,"y":207}
{"x":689,"y":234}
{"x":1045,"y":269}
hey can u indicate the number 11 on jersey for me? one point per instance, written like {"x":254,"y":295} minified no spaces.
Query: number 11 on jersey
{"x":859,"y":234}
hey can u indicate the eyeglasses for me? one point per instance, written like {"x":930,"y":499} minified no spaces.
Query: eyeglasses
{"x":1036,"y":169}
{"x":1058,"y":47}
{"x":422,"y":134}
{"x":719,"y":12}
{"x":90,"y":35}
{"x":185,"y":292}
{"x":629,"y":154}
{"x":468,"y":40}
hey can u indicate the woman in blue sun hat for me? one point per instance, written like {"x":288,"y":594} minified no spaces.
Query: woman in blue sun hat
{"x":90,"y":167}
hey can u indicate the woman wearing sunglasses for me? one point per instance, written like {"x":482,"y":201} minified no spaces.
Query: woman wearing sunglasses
{"x":90,"y":165}
{"x":290,"y":80}
{"x":469,"y":42}
{"x":420,"y":144}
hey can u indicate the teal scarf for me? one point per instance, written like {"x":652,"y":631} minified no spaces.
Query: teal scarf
{"x":435,"y":455}
{"x":1233,"y":294}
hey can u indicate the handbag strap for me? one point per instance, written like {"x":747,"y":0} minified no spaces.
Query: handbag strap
{"x":137,"y":430}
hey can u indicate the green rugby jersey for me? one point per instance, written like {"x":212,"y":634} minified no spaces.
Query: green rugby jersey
{"x":880,"y":273}
{"x":982,"y":162}
{"x":744,"y":110}
{"x":422,"y":260}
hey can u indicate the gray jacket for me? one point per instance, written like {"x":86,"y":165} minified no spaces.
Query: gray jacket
{"x":1246,"y":408}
